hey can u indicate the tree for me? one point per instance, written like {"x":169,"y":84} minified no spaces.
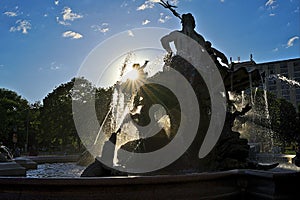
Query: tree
{"x":269,"y":118}
{"x":33,"y":127}
{"x":284,"y":120}
{"x":88,"y":99}
{"x":57,"y":123}
{"x":14,"y":111}
{"x":57,"y":126}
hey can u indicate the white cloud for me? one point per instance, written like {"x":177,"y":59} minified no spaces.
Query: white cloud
{"x":271,"y":7}
{"x":148,"y":4}
{"x":291,"y":41}
{"x":163,"y":19}
{"x":145,"y":22}
{"x":174,"y":2}
{"x":275,"y":50}
{"x":151,"y":3}
{"x":103,"y":28}
{"x":10,"y":14}
{"x":130,"y":33}
{"x":72,"y":35}
{"x":62,"y":22}
{"x":222,"y":1}
{"x":21,"y":25}
{"x":69,"y":15}
{"x":270,"y":2}
{"x":56,"y":2}
{"x":124,"y":4}
{"x":55,"y":66}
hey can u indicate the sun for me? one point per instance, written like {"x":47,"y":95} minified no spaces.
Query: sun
{"x":133,"y":75}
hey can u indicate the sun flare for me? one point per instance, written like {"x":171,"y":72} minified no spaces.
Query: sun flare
{"x":133,"y":75}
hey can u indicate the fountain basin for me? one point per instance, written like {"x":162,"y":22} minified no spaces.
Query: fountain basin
{"x":233,"y":184}
{"x":11,"y":168}
{"x":26,"y":162}
{"x":54,"y":158}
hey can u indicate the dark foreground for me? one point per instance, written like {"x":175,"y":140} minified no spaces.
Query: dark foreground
{"x":234,"y":184}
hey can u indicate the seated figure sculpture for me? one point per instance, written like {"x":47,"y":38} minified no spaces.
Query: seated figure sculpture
{"x":98,"y":169}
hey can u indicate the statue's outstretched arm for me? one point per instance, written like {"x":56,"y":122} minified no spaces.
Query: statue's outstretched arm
{"x":221,"y":55}
{"x":145,"y":64}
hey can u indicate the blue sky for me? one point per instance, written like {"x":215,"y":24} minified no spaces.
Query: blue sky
{"x":43,"y":43}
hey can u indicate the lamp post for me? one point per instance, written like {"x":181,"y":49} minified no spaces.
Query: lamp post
{"x":297,"y":158}
{"x":27,"y":133}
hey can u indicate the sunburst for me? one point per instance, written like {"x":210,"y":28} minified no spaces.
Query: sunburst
{"x":134,"y":79}
{"x":133,"y":75}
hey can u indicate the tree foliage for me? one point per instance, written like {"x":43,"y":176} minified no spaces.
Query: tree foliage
{"x":57,"y":122}
{"x":14,"y":114}
{"x":282,"y":116}
{"x":284,"y":120}
{"x":50,"y":125}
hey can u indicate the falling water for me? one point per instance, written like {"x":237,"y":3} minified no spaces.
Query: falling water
{"x":243,"y":98}
{"x":251,"y":89}
{"x":253,"y":134}
{"x":257,"y":127}
{"x":267,"y":116}
{"x":9,"y":154}
{"x":121,"y":106}
{"x":291,"y":82}
{"x":118,"y":107}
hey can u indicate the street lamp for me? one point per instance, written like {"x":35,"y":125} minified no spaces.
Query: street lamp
{"x":27,"y":124}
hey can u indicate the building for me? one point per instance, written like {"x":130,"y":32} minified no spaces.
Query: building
{"x":281,"y":77}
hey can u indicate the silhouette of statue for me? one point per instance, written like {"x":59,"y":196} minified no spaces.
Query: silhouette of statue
{"x":188,"y":26}
{"x":215,"y":53}
{"x":140,"y":69}
{"x":98,"y":169}
{"x":230,"y":152}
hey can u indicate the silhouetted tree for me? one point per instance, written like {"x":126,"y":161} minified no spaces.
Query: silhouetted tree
{"x":57,"y":126}
{"x":14,"y":111}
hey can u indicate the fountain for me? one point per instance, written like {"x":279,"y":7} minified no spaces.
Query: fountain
{"x":8,"y":167}
{"x":224,"y":167}
{"x":229,"y":152}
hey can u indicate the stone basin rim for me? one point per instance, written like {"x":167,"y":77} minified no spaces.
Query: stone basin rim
{"x":121,"y":180}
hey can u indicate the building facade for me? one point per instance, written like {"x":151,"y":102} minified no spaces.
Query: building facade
{"x":282,"y":78}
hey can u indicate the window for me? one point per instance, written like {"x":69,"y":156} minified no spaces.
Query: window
{"x":271,"y":82}
{"x":285,"y":92}
{"x":297,"y":75}
{"x":287,"y":98}
{"x":285,"y":86}
{"x":284,"y":70}
{"x":283,"y":65}
{"x":273,"y":88}
{"x":296,"y":66}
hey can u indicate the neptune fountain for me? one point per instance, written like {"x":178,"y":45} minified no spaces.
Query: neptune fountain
{"x":208,"y":160}
{"x":230,"y":151}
